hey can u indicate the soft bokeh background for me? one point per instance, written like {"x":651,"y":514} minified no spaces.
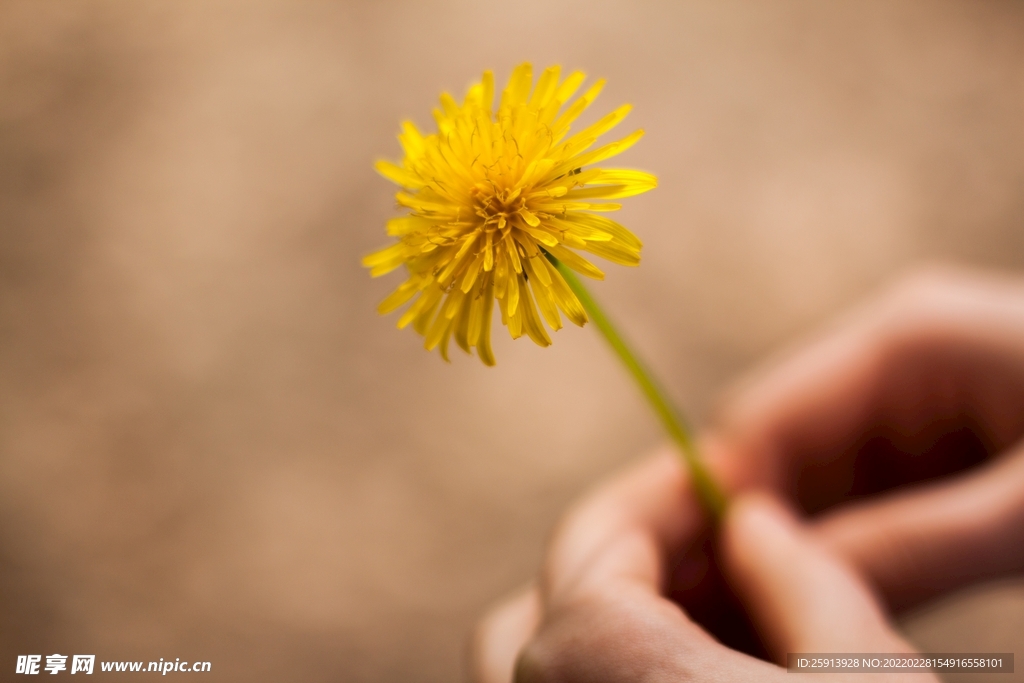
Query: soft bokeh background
{"x":211,"y":447}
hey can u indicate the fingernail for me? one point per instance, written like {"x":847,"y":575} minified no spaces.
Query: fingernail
{"x":758,"y":517}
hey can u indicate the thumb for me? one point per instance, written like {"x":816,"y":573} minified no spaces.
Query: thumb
{"x":798,"y":596}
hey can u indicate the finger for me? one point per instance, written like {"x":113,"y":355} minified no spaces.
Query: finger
{"x":501,"y":635}
{"x":799,"y":597}
{"x":625,"y":633}
{"x":924,"y":542}
{"x":627,"y":527}
{"x":609,"y":514}
{"x":942,"y":348}
{"x":605,"y":617}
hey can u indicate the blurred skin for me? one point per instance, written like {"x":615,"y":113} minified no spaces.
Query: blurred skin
{"x":871,"y":469}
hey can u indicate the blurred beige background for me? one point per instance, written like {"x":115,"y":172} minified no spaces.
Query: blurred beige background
{"x":211,"y":447}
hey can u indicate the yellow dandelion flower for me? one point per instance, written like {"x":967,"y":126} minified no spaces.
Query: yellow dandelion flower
{"x":496,"y":199}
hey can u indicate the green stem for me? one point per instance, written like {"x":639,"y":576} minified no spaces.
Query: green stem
{"x":708,"y":490}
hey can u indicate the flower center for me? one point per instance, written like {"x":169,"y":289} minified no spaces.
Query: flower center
{"x":496,"y":209}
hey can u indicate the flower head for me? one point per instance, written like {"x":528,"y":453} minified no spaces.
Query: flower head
{"x":492,"y":197}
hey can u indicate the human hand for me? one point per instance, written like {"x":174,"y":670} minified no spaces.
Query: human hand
{"x":600,"y":611}
{"x":926,"y":381}
{"x":923,"y":382}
